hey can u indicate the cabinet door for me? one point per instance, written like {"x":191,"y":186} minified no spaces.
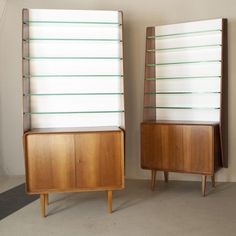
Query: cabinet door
{"x":162,"y":147}
{"x":198,"y":149}
{"x":99,"y":160}
{"x":50,"y":162}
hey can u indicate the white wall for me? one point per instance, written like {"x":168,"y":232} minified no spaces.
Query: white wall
{"x":137,"y":15}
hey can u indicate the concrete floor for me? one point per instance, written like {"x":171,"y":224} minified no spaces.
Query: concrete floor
{"x":8,"y":182}
{"x":176,"y":208}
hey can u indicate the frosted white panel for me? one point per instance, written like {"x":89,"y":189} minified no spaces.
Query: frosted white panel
{"x":73,"y":15}
{"x":76,"y":120}
{"x":188,"y":115}
{"x":75,"y":103}
{"x":188,"y":100}
{"x":189,"y":85}
{"x":204,"y":54}
{"x":75,"y":68}
{"x":183,"y":70}
{"x":196,"y":26}
{"x":74,"y":49}
{"x":74,"y":31}
{"x":77,"y":85}
{"x":189,"y":41}
{"x":188,"y":70}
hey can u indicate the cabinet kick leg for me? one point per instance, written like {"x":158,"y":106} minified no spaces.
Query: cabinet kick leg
{"x":213,"y":183}
{"x":153,"y":180}
{"x":109,"y":198}
{"x":42,"y":205}
{"x":166,"y":176}
{"x":204,"y":185}
{"x":46,"y":199}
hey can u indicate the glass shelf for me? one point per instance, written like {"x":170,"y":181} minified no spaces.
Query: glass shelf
{"x":71,"y":22}
{"x":70,"y":39}
{"x":69,"y":94}
{"x":200,"y":108}
{"x":209,"y":92}
{"x":76,"y":58}
{"x":179,"y":63}
{"x":189,"y":77}
{"x":183,"y":34}
{"x":72,"y":76}
{"x":70,"y":112}
{"x":183,"y":48}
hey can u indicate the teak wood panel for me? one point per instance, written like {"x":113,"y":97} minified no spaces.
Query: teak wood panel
{"x":178,"y":148}
{"x":82,"y":161}
{"x":100,"y":164}
{"x":50,"y":161}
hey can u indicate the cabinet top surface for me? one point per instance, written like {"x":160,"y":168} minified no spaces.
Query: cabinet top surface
{"x":182,"y":122}
{"x":74,"y":130}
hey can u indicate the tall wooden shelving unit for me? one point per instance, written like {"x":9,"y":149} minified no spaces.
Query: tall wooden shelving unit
{"x":73,"y":101}
{"x":184,"y":125}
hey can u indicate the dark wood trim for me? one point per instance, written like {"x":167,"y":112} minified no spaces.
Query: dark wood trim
{"x":224,"y":96}
{"x":121,"y":33}
{"x":25,"y":70}
{"x":150,"y":72}
{"x":181,"y":122}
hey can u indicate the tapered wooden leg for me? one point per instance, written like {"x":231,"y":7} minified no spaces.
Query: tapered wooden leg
{"x":166,"y":175}
{"x":109,"y":198}
{"x":153,"y":180}
{"x":46,"y":199}
{"x":42,"y":204}
{"x":213,"y":183}
{"x":204,"y":185}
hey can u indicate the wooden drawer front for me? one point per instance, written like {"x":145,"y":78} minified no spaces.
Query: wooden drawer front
{"x":50,"y":162}
{"x":99,"y":159}
{"x":180,"y":148}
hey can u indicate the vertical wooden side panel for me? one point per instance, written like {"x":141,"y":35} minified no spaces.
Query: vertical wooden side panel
{"x":122,"y":121}
{"x":224,"y":96}
{"x":150,"y":72}
{"x":25,"y":71}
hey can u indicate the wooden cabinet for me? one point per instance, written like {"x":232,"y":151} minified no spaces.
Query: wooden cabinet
{"x":180,"y":147}
{"x":58,"y":162}
{"x":74,"y":161}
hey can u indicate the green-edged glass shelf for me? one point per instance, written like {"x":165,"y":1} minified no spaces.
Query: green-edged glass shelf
{"x":69,"y":112}
{"x":187,"y":77}
{"x":69,"y":94}
{"x":71,"y":22}
{"x":183,"y":34}
{"x":72,"y":76}
{"x":206,"y":92}
{"x":184,"y":108}
{"x":187,"y":47}
{"x":183,"y":62}
{"x":76,"y":58}
{"x":71,"y":39}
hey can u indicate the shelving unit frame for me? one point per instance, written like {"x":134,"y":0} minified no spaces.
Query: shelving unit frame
{"x":175,"y":55}
{"x":60,"y":151}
